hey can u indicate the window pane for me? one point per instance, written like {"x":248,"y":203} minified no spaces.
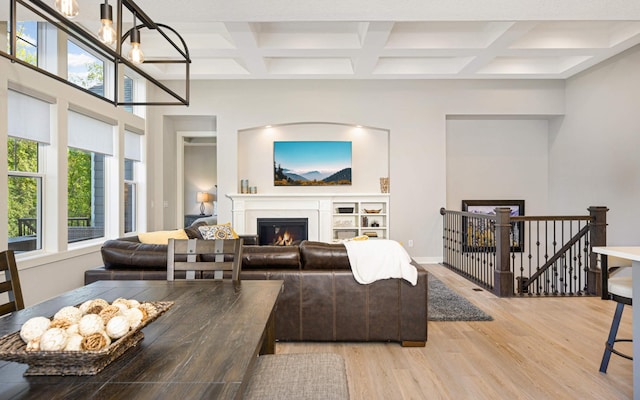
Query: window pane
{"x":84,"y":69}
{"x":130,"y":197}
{"x":26,"y":41}
{"x":86,"y":207}
{"x":24,"y":217}
{"x":22,"y":155}
{"x":129,"y":207}
{"x":128,"y":170}
{"x":128,"y":93}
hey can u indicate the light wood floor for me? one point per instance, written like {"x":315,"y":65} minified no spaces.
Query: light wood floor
{"x":542,"y":348}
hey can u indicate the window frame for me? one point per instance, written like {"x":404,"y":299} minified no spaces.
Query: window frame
{"x":40,"y":178}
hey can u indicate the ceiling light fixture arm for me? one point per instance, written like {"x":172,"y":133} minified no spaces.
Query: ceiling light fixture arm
{"x":50,"y":15}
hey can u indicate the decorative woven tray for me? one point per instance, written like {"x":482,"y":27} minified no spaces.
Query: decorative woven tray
{"x":12,"y":348}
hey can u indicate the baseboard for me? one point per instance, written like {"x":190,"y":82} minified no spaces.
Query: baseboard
{"x":428,"y":260}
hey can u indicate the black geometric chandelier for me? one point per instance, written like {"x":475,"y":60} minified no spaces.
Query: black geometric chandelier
{"x":108,"y":41}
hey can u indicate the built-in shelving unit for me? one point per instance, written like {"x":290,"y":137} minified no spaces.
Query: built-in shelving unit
{"x":360,"y":216}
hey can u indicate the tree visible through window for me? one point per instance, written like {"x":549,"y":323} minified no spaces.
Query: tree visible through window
{"x":85,"y":195}
{"x":24,"y":187}
{"x":26,"y":41}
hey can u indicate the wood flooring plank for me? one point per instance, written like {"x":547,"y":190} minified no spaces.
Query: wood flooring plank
{"x":534,"y":349}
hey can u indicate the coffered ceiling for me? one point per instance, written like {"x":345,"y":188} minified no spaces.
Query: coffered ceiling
{"x":399,"y":50}
{"x":392,"y":39}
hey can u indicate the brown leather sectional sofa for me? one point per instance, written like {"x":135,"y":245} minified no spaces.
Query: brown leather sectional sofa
{"x":321,"y":300}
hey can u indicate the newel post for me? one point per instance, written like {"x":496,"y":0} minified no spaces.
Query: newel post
{"x":598,"y":237}
{"x":502,"y":274}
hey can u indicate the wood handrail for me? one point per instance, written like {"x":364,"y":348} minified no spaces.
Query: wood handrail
{"x":558,"y":254}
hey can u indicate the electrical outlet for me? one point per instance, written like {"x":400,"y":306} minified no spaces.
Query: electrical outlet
{"x":166,"y":204}
{"x":410,"y":242}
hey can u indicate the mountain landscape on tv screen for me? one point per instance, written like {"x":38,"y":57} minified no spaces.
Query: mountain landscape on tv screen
{"x":285,"y":177}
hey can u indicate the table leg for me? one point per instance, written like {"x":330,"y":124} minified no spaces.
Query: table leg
{"x":269,"y":337}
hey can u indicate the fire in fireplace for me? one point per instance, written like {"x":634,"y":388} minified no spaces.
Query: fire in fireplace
{"x":282,"y":231}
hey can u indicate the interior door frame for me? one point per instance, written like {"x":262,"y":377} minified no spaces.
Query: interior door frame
{"x":180,"y":138}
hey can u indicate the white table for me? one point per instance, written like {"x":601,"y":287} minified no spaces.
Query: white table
{"x":633,"y":254}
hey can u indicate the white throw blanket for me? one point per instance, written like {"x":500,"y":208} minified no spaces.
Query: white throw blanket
{"x":372,"y":260}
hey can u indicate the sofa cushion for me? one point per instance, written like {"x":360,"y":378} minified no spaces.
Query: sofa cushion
{"x":218,"y":232}
{"x":320,"y":255}
{"x":120,"y":253}
{"x":270,"y":257}
{"x":161,"y":237}
{"x":192,"y":230}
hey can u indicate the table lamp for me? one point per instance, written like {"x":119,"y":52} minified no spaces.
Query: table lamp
{"x":203,"y":197}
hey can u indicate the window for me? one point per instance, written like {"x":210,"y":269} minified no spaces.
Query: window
{"x":29,"y":132}
{"x":25,"y":195}
{"x":85,"y":69}
{"x":26,"y":41}
{"x":90,"y":142}
{"x":132,"y":154}
{"x":130,"y":197}
{"x":128,"y":92}
{"x":85,"y":212}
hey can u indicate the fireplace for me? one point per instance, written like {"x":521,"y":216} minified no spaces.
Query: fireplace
{"x":282,"y":231}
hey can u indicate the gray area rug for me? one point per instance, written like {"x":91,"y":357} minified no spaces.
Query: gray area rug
{"x":446,"y":305}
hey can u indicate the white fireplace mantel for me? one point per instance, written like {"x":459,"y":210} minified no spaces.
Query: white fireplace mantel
{"x":316,"y":207}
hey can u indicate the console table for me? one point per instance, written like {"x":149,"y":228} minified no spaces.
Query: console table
{"x":633,"y":254}
{"x":205,"y":346}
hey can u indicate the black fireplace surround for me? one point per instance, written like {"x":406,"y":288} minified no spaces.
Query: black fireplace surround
{"x":282,"y":231}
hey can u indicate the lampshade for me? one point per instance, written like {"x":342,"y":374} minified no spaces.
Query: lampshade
{"x":203,"y":197}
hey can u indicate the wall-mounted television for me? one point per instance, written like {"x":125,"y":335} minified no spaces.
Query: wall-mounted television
{"x":311,"y":163}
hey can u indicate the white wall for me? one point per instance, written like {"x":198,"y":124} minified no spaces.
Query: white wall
{"x":369,"y":155}
{"x":498,"y":159}
{"x":594,"y":152}
{"x":199,"y":176}
{"x":414,"y":112}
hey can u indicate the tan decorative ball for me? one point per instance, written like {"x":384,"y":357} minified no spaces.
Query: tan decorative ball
{"x":95,"y":341}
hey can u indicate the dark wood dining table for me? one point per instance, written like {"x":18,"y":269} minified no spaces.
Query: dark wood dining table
{"x":205,"y":346}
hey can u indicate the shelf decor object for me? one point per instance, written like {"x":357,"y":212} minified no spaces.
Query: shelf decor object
{"x":109,"y":44}
{"x":384,"y":185}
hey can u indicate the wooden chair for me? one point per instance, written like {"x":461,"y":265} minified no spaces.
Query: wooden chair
{"x":11,"y":285}
{"x":204,"y":255}
{"x":617,"y":286}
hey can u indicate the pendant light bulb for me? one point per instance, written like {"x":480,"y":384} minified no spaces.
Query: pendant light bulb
{"x":135,"y":53}
{"x":68,"y":8}
{"x":106,"y":34}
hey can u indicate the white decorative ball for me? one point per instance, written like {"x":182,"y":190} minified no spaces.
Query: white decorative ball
{"x":134,"y":316}
{"x":122,"y":306}
{"x":34,"y":328}
{"x":54,"y":339}
{"x":73,"y":330}
{"x":90,"y":324}
{"x":33,"y":345}
{"x":117,"y":327}
{"x":69,"y":313}
{"x":133,"y":303}
{"x":73,"y":342}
